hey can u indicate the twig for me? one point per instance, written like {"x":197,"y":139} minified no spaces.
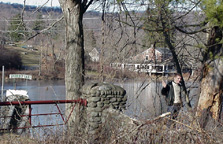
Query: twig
{"x":200,"y":131}
{"x":131,"y":131}
{"x":40,"y":6}
{"x":139,"y":126}
{"x":49,"y":27}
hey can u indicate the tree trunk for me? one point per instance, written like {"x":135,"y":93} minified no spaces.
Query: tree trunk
{"x":74,"y":60}
{"x":175,"y":58}
{"x":212,"y":82}
{"x":211,"y":93}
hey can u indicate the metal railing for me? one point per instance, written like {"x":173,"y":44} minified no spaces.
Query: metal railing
{"x":82,"y":102}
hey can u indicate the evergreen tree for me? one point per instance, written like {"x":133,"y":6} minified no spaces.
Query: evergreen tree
{"x":152,"y":28}
{"x":39,"y":23}
{"x":17,"y":29}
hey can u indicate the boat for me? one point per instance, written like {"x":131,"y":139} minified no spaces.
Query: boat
{"x":14,"y":116}
{"x":15,"y":95}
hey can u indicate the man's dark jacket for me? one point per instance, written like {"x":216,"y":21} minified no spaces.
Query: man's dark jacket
{"x":168,"y":91}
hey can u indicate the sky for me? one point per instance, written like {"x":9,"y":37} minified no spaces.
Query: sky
{"x":53,"y":3}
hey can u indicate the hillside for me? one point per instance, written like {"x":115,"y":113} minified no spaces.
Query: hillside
{"x":52,"y":41}
{"x":30,"y":58}
{"x":7,"y":11}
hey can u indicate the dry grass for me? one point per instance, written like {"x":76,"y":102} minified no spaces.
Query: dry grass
{"x":11,"y":138}
{"x":164,"y":130}
{"x":115,"y":131}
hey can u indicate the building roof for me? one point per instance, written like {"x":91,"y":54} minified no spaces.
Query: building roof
{"x":163,"y":50}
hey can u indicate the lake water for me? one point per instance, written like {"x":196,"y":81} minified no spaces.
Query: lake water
{"x":144,"y":98}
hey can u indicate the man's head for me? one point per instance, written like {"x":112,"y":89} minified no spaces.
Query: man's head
{"x":177,"y":78}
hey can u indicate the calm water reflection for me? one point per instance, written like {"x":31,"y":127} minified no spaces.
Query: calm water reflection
{"x":43,"y":90}
{"x":144,"y":99}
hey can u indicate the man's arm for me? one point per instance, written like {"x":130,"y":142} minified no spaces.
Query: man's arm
{"x":165,"y":88}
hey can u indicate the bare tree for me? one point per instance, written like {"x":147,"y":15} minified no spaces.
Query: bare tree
{"x":211,"y":68}
{"x":74,"y":56}
{"x":183,"y":33}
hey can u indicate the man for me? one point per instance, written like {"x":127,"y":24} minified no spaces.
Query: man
{"x":173,"y":92}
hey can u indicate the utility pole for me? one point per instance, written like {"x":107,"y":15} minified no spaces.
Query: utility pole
{"x":3,"y":77}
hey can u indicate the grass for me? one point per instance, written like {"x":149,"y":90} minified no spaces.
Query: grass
{"x":29,"y":57}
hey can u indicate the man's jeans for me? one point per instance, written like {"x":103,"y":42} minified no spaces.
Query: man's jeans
{"x":174,"y":109}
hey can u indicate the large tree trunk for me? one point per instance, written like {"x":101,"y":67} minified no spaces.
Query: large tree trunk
{"x":210,"y":100}
{"x":211,"y":92}
{"x":74,"y":60}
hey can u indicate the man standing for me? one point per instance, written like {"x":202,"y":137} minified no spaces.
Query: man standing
{"x":173,"y":93}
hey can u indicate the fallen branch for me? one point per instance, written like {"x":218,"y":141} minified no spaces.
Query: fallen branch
{"x":140,"y":125}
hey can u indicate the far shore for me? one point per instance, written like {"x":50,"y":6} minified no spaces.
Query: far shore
{"x":95,"y":76}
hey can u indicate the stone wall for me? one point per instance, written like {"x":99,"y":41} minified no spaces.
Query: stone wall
{"x":101,"y":96}
{"x":102,"y":99}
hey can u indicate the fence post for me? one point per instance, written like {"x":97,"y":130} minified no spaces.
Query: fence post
{"x":30,"y":115}
{"x":101,"y":96}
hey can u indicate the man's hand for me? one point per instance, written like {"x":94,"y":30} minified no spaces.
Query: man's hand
{"x":163,"y":83}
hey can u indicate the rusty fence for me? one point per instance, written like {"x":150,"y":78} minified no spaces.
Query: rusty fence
{"x":82,"y":102}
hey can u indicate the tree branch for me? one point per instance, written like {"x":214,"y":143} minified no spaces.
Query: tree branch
{"x":86,"y":5}
{"x":43,"y":30}
{"x":192,"y":32}
{"x":196,"y":4}
{"x":40,"y":6}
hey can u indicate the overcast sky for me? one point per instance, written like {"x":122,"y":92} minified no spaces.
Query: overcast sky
{"x":34,"y":2}
{"x":55,"y":3}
